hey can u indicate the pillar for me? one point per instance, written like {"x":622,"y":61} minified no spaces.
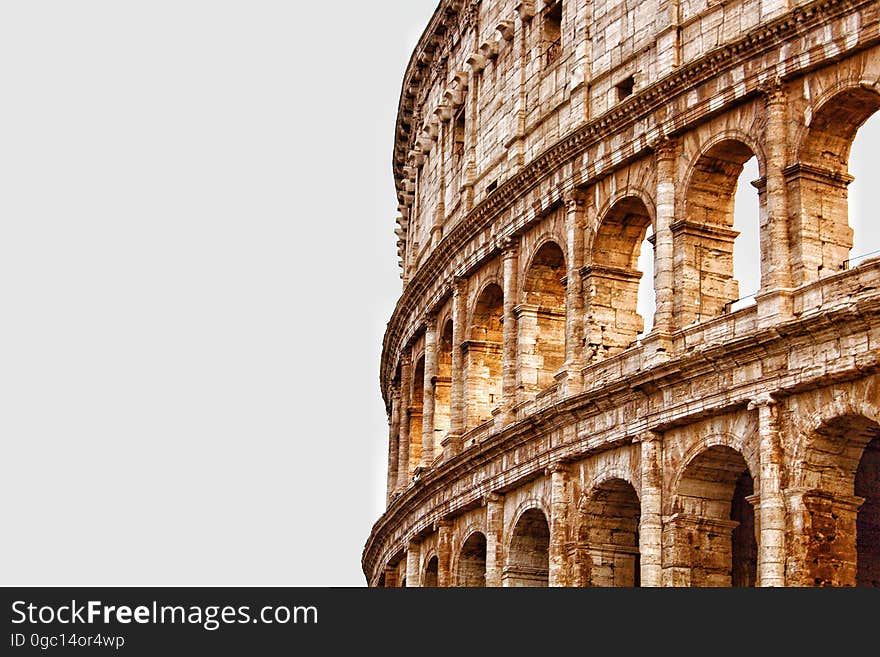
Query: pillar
{"x":575,"y":203}
{"x":510,"y":259}
{"x":403,"y":469}
{"x":494,"y":539}
{"x":444,"y":553}
{"x":667,"y":44}
{"x":774,"y":299}
{"x":821,"y":540}
{"x":427,"y":436}
{"x":665,"y":153}
{"x":413,"y":561}
{"x":457,"y":408}
{"x":650,"y":518}
{"x":558,"y":473}
{"x":770,"y":505}
{"x":394,"y":441}
{"x":527,"y":363}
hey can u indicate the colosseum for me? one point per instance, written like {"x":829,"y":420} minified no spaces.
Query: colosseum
{"x":544,"y":431}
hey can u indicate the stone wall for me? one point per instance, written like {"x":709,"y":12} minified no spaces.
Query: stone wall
{"x":538,"y":435}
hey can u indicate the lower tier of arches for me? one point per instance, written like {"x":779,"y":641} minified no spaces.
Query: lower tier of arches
{"x":782,"y":491}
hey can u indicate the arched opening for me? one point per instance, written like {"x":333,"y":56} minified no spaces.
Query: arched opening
{"x":431,"y":573}
{"x":747,"y":243}
{"x":528,"y":559}
{"x":472,"y":562}
{"x":704,"y":241}
{"x":443,"y":387}
{"x":744,"y":545}
{"x":824,"y":240}
{"x":863,"y":167}
{"x":415,"y":415}
{"x":712,"y":529}
{"x":868,"y":518}
{"x":646,"y":304}
{"x":608,"y":537}
{"x":483,"y":356}
{"x":613,"y":278}
{"x":839,"y":506}
{"x":541,"y":321}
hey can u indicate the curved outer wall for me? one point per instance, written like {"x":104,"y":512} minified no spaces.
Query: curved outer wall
{"x":538,"y":435}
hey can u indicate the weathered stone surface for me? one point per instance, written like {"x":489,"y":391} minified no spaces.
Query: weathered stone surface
{"x":535,"y":437}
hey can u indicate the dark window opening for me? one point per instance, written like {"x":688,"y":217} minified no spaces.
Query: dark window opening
{"x":551,"y":33}
{"x":458,"y":136}
{"x":625,"y":88}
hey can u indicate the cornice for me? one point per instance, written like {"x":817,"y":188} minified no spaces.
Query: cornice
{"x":763,"y":38}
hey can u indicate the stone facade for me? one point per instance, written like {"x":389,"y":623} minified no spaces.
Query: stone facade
{"x":538,"y":435}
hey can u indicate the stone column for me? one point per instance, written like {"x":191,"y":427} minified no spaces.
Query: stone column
{"x":393,"y":441}
{"x":650,"y":518}
{"x":575,"y":203}
{"x":774,"y":300}
{"x":665,"y":153}
{"x":428,"y":390}
{"x":578,"y":19}
{"x":558,"y":473}
{"x":469,"y":169}
{"x":494,"y":539}
{"x":514,"y":138}
{"x":667,"y":44}
{"x":444,"y":553}
{"x":457,"y":407}
{"x":403,"y":468}
{"x":527,"y":363}
{"x":510,"y":258}
{"x":771,"y":505}
{"x":413,"y":562}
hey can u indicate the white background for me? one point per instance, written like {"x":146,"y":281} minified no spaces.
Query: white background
{"x":197,"y":263}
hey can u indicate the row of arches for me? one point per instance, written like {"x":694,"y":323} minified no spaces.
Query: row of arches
{"x":720,"y":247}
{"x":710,"y":534}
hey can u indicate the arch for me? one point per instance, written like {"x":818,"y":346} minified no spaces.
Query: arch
{"x":528,"y":555}
{"x":547,"y":236}
{"x":712,"y":528}
{"x":471,"y":570}
{"x":704,"y":239}
{"x":612,"y":469}
{"x":482,"y":353}
{"x":541,"y":319}
{"x":818,"y":183}
{"x":608,"y":535}
{"x":432,"y":572}
{"x":834,"y":120}
{"x":491,"y":288}
{"x":838,"y":504}
{"x":629,"y":191}
{"x":613,"y":277}
{"x":729,"y":440}
{"x":443,"y":385}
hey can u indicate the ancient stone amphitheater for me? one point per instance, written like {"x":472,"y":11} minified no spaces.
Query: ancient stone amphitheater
{"x":541,"y":433}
